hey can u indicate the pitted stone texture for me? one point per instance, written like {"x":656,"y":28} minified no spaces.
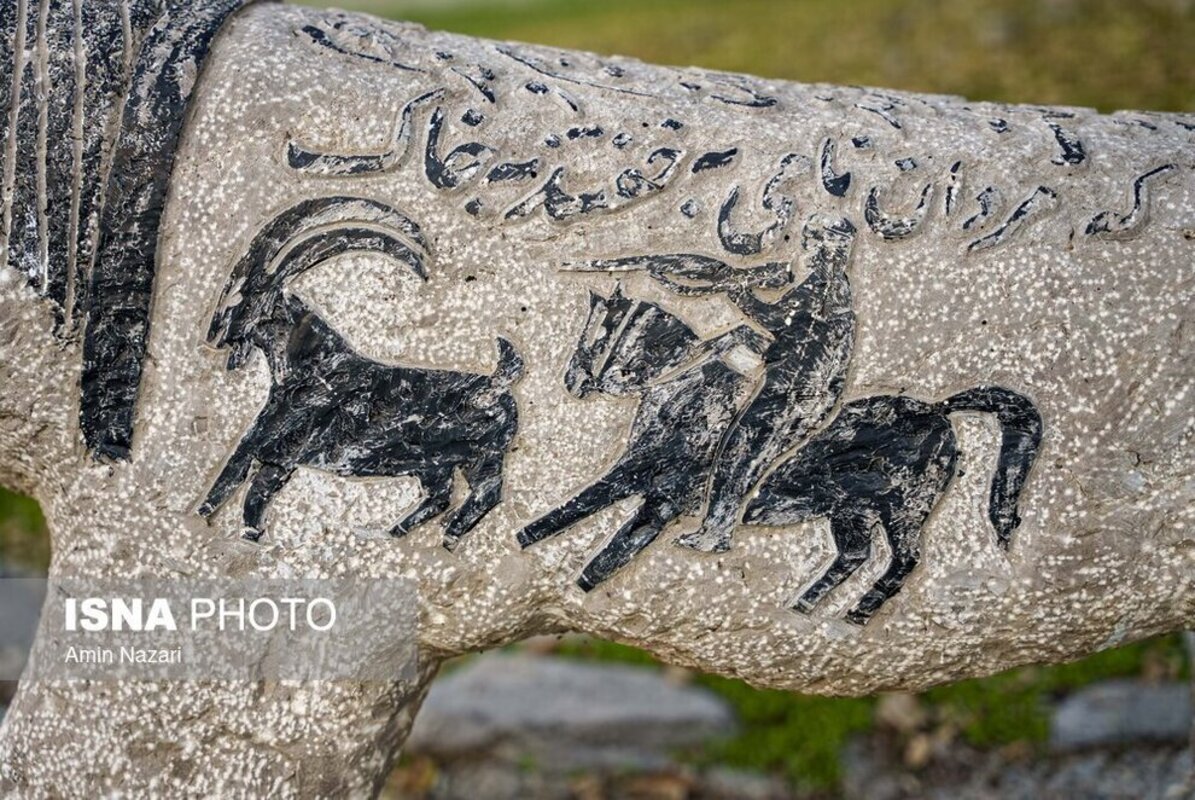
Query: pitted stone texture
{"x":1094,"y":331}
{"x":1094,"y":327}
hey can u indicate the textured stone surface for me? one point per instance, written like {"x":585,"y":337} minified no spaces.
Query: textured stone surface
{"x":1053,"y":255}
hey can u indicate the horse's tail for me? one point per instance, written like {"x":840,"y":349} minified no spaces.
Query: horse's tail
{"x":1022,"y":430}
{"x":510,"y":365}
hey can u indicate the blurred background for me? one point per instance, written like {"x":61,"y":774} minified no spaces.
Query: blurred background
{"x":1112,"y":726}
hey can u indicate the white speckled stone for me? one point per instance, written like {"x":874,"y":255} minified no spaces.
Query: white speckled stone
{"x":1098,"y":331}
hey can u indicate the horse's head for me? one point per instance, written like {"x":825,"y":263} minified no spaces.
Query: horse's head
{"x":626,"y":344}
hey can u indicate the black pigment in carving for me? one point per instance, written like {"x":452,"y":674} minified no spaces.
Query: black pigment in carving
{"x":58,"y":128}
{"x":621,"y":140}
{"x":883,"y":109}
{"x":674,"y":438}
{"x":307,"y":159}
{"x":883,"y":462}
{"x":472,"y":117}
{"x":750,"y":243}
{"x":811,"y":329}
{"x":568,"y":100}
{"x":330,"y":408}
{"x":358,"y":38}
{"x":886,"y":462}
{"x":70,"y":227}
{"x":533,"y":63}
{"x":460,"y":166}
{"x":122,"y":279}
{"x":1111,"y":225}
{"x":1041,"y":202}
{"x":556,"y":202}
{"x":893,"y":227}
{"x":632,"y":183}
{"x":104,"y":49}
{"x":12,"y":53}
{"x":713,"y":160}
{"x":906,"y":164}
{"x":832,"y":182}
{"x":586,"y":132}
{"x":479,"y":78}
{"x":751,"y":96}
{"x":990,"y":201}
{"x":953,"y":188}
{"x":514,"y":171}
{"x":783,"y":207}
{"x":26,"y":233}
{"x":630,"y":186}
{"x":1073,"y":152}
{"x":1140,"y":123}
{"x":999,"y":125}
{"x":694,"y":275}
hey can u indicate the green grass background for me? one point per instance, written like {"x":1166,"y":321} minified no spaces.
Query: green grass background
{"x":1107,"y":54}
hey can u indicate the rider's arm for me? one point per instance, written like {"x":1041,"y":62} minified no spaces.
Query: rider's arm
{"x":772,"y":317}
{"x":742,"y":336}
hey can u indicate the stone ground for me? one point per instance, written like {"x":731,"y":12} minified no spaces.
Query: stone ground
{"x":546,"y":728}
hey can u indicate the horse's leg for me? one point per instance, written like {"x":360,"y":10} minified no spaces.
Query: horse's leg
{"x":905,"y":556}
{"x":903,"y":523}
{"x":771,"y":424}
{"x":852,"y":536}
{"x":268,"y":481}
{"x":485,"y":492}
{"x":631,"y":539}
{"x":438,"y":486}
{"x":617,"y":485}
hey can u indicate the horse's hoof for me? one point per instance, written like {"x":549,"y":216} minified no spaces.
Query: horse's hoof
{"x":252,"y":535}
{"x":857,"y":617}
{"x":703,"y":543}
{"x":803,"y":606}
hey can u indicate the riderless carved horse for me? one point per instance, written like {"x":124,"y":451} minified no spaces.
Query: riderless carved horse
{"x":881,"y":465}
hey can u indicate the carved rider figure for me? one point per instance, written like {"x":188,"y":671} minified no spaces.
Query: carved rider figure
{"x":812,"y":328}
